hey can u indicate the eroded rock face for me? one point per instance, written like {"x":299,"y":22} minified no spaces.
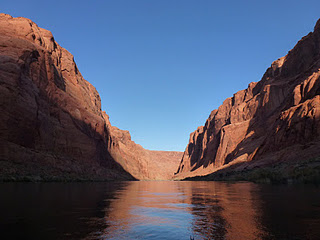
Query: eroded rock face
{"x":51,"y":123}
{"x":276,"y":119}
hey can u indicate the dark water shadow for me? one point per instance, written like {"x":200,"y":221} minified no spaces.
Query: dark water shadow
{"x":54,"y":210}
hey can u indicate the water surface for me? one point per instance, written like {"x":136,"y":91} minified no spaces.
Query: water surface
{"x":159,"y":210}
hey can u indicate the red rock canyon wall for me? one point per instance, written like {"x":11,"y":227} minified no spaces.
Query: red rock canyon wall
{"x":51,"y":123}
{"x":274,"y":120}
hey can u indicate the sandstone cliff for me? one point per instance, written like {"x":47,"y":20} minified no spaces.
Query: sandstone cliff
{"x":51,"y":123}
{"x":141,"y":163}
{"x":273,"y":121}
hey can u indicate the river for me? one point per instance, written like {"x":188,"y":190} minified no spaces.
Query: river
{"x":159,"y":210}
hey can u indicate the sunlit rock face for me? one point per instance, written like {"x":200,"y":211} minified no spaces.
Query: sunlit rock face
{"x":275,"y":119}
{"x":51,"y":123}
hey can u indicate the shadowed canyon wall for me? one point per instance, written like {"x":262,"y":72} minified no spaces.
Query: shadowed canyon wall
{"x":51,"y":123}
{"x":274,"y":120}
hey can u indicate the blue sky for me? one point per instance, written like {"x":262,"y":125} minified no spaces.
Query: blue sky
{"x":161,"y":66}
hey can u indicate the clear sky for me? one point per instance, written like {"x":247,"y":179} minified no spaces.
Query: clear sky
{"x":161,"y":66}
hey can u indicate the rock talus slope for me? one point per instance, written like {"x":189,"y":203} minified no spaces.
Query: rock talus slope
{"x":51,"y":123}
{"x":274,"y":120}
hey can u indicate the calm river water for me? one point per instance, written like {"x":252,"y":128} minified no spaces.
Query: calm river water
{"x":158,"y":210}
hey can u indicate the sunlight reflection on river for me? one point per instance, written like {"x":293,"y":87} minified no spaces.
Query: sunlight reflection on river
{"x":180,"y":210}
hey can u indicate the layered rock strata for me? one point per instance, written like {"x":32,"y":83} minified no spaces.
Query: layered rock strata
{"x":274,"y":120}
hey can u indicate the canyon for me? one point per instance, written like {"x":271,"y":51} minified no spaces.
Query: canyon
{"x":52,"y":127}
{"x":51,"y":123}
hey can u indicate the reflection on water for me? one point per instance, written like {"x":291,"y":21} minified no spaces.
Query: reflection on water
{"x":158,"y":210}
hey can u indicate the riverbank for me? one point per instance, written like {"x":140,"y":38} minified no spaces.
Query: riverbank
{"x":307,"y":171}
